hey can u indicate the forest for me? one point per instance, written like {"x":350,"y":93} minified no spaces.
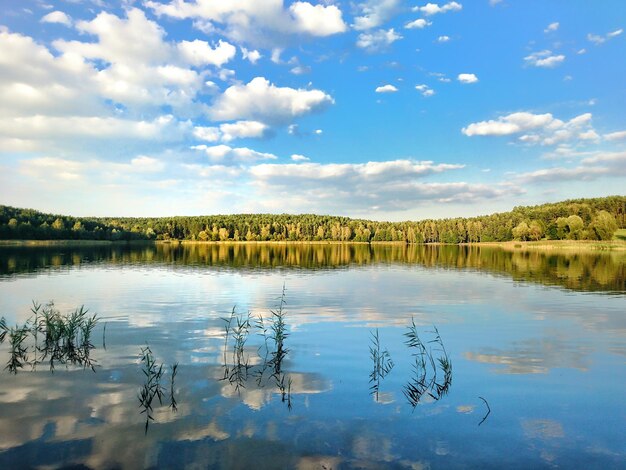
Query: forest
{"x":574,"y":219}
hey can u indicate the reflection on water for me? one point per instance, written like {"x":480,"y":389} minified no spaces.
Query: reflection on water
{"x":603,"y":271}
{"x":305,"y":379}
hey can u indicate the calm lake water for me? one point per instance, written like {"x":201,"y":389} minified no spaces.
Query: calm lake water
{"x":536,"y":344}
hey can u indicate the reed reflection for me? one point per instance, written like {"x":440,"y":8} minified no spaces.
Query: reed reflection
{"x":428,"y":362}
{"x":66,"y":339}
{"x":272,"y":351}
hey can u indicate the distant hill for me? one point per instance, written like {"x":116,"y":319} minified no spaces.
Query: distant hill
{"x":595,"y":218}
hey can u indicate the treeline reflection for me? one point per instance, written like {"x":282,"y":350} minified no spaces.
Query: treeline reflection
{"x":582,"y":271}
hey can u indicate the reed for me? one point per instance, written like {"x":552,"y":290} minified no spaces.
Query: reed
{"x":66,"y":338}
{"x":428,"y":362}
{"x":152,"y":387}
{"x":382,"y":363}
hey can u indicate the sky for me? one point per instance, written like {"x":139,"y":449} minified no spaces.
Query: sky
{"x":385,"y":109}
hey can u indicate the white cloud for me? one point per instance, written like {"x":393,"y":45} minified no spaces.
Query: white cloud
{"x":263,"y":101}
{"x":552,"y":27}
{"x":317,"y":20}
{"x":434,"y":8}
{"x":467,"y":78}
{"x":243,"y":129}
{"x":374,"y":13}
{"x":377,"y":40}
{"x":544,"y":59}
{"x":419,"y":23}
{"x":252,"y":55}
{"x":299,"y":158}
{"x":597,"y":39}
{"x":200,"y":53}
{"x":601,"y":164}
{"x":230,"y":131}
{"x":542,"y":129}
{"x":381,"y":186}
{"x":208,"y":134}
{"x":300,"y":70}
{"x":443,"y":39}
{"x":425,"y":90}
{"x":163,"y":128}
{"x":57,"y":17}
{"x":386,"y":89}
{"x":260,"y":24}
{"x":141,"y":70}
{"x":229,"y":155}
{"x":619,"y":135}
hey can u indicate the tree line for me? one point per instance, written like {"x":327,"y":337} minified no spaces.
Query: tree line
{"x":576,"y":219}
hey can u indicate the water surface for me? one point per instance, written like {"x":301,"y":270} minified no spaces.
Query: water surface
{"x":538,"y":338}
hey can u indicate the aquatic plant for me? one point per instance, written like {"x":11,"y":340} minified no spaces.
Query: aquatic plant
{"x":272,"y":350}
{"x":152,"y":387}
{"x":427,"y":363}
{"x":66,"y":338}
{"x":17,"y":350}
{"x":279,"y":334}
{"x":488,"y":411}
{"x":173,"y":372}
{"x":382,"y":363}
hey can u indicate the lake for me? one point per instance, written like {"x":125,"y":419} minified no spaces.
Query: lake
{"x":380,"y":356}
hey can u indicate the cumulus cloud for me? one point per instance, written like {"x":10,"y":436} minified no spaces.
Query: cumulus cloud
{"x":386,"y":89}
{"x":141,"y":68}
{"x":552,"y":27}
{"x":299,"y":158}
{"x":425,"y":90}
{"x":228,"y":155}
{"x":227,"y":132}
{"x":375,"y":13}
{"x":377,"y":40}
{"x":263,"y":101}
{"x":542,"y":129}
{"x":443,"y":38}
{"x":467,"y":78}
{"x":434,"y":8}
{"x":251,"y":55}
{"x":597,"y":39}
{"x":419,"y":23}
{"x":57,"y":17}
{"x":545,"y":59}
{"x":243,"y":129}
{"x":200,"y":53}
{"x":260,"y":24}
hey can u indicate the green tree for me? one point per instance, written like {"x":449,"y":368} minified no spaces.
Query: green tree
{"x":521,"y":231}
{"x":603,"y":226}
{"x":575,"y":225}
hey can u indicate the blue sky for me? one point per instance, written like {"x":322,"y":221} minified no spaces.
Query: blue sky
{"x":387,"y":110}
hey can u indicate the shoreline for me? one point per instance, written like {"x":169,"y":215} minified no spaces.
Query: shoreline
{"x":544,"y":245}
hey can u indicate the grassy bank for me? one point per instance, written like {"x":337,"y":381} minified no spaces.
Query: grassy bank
{"x":38,"y":243}
{"x":617,"y":244}
{"x":562,"y":245}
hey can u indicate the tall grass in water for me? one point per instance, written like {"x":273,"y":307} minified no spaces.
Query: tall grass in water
{"x":279,"y":334}
{"x":152,"y":387}
{"x":272,"y":351}
{"x":428,"y":362}
{"x":66,"y":338}
{"x":237,"y":328}
{"x":382,"y":364}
